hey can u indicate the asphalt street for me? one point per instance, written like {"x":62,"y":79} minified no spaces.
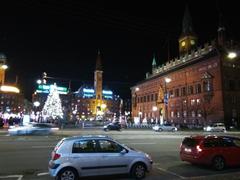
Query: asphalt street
{"x":26,"y":157}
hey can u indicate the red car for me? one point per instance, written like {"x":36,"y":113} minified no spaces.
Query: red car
{"x":218,"y":151}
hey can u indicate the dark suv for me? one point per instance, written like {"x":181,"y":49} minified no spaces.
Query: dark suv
{"x":112,"y":126}
{"x":218,"y":151}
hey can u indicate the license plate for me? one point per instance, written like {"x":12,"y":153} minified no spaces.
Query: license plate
{"x":187,"y":150}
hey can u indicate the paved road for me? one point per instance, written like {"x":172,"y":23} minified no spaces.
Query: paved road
{"x":26,"y":157}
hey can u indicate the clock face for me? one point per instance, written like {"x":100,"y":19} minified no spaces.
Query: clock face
{"x":183,"y":43}
{"x":192,"y":42}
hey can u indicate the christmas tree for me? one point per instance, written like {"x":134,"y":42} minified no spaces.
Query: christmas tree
{"x":53,"y":106}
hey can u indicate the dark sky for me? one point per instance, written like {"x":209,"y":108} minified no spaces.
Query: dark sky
{"x":62,"y":37}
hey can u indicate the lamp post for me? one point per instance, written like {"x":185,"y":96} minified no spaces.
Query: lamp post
{"x":154,"y":109}
{"x":166,"y":96}
{"x":36,"y":104}
{"x":229,"y":54}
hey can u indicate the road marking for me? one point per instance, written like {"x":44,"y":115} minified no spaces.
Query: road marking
{"x":43,"y":146}
{"x":142,"y":143}
{"x":172,"y":173}
{"x":19,"y":177}
{"x":216,"y":175}
{"x":43,"y":174}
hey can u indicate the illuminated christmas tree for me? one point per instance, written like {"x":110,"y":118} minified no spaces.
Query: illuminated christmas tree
{"x":53,"y":107}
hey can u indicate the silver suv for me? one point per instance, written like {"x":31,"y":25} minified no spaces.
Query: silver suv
{"x":96,"y":155}
{"x":219,"y":127}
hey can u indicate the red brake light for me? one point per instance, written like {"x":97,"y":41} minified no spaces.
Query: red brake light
{"x":55,"y":156}
{"x":198,"y":148}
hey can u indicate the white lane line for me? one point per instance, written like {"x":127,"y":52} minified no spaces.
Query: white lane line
{"x":142,"y":143}
{"x":43,"y":146}
{"x":19,"y":177}
{"x":216,"y":175}
{"x":172,"y":173}
{"x":43,"y":174}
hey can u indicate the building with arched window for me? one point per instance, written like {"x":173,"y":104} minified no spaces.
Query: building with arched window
{"x":199,"y":87}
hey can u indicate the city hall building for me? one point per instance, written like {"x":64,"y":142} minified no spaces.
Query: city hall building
{"x":200,"y":87}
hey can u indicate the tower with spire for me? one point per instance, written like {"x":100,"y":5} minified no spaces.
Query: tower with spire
{"x":98,"y":80}
{"x":188,"y":39}
{"x":154,"y":64}
{"x":221,"y":31}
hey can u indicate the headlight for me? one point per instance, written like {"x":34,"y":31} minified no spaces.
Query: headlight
{"x":148,"y":156}
{"x":208,"y":128}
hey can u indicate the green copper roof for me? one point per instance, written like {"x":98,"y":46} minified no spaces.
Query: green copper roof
{"x":154,"y":60}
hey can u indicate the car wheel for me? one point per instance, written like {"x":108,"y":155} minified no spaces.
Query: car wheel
{"x":160,"y":130}
{"x":218,"y":163}
{"x":173,"y":130}
{"x":67,"y":173}
{"x":138,"y":171}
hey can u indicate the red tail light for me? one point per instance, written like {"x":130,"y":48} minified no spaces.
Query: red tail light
{"x":199,"y":148}
{"x":55,"y":156}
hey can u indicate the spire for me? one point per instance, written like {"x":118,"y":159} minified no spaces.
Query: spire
{"x":221,"y":31}
{"x":188,"y":39}
{"x":154,"y":64}
{"x":99,"y":61}
{"x":187,"y":27}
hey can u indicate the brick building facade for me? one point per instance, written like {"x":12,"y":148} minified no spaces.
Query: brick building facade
{"x":200,"y":87}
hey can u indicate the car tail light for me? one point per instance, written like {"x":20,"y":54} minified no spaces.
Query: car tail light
{"x":198,"y":148}
{"x":55,"y":156}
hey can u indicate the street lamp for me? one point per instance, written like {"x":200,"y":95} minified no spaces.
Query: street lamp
{"x":154,"y":109}
{"x":39,"y":81}
{"x":232,"y":55}
{"x":36,"y":103}
{"x":166,"y":94}
{"x":4,"y":66}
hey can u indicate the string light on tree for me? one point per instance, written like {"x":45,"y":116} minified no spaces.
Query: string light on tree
{"x":53,"y":106}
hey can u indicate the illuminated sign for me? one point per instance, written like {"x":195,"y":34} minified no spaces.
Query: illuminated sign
{"x":42,"y":88}
{"x":88,"y":90}
{"x":13,"y":89}
{"x":107,"y":92}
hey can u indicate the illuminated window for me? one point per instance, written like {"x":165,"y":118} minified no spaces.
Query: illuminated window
{"x":183,"y":44}
{"x":193,"y":114}
{"x":178,"y":114}
{"x":185,"y":102}
{"x":192,"y":42}
{"x":198,"y":101}
{"x":184,"y":113}
{"x":192,"y":102}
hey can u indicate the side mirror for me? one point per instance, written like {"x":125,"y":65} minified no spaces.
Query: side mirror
{"x":124,"y":151}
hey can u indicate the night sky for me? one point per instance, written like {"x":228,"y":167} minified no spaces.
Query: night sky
{"x":62,"y":37}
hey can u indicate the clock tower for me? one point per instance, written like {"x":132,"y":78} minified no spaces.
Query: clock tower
{"x":98,"y":80}
{"x":188,"y":39}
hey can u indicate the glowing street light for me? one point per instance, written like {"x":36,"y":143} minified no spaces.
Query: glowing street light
{"x":103,"y":106}
{"x":232,"y":55}
{"x":168,"y":80}
{"x":39,"y":81}
{"x":4,"y":66}
{"x":36,"y":103}
{"x":154,"y":108}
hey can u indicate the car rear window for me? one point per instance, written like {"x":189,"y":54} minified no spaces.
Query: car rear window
{"x":190,"y":142}
{"x":58,"y":145}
